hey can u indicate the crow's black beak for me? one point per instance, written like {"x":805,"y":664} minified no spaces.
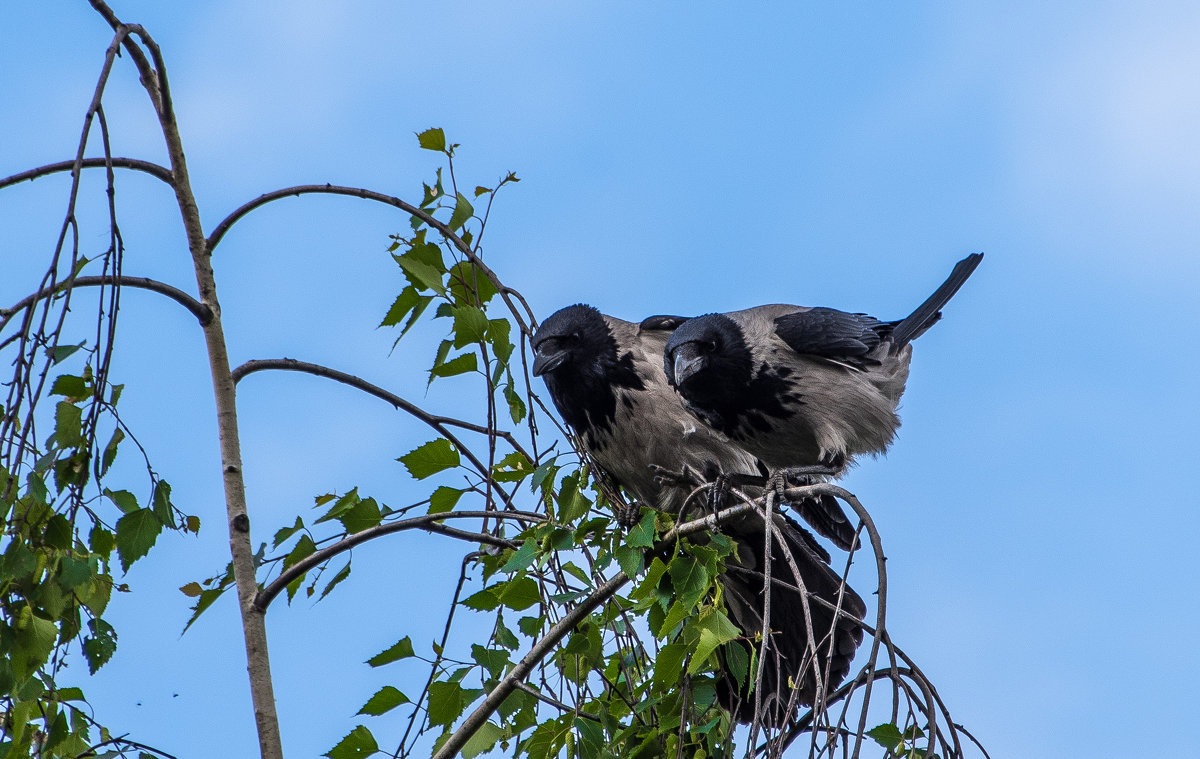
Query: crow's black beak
{"x":688,"y":359}
{"x":547,"y":362}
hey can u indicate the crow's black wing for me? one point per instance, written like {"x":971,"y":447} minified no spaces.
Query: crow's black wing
{"x":830,"y":333}
{"x":661,"y":322}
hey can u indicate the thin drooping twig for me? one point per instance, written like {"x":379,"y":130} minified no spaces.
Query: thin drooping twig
{"x":358,"y":192}
{"x":24,"y":385}
{"x":202,"y":312}
{"x":825,"y":488}
{"x":135,"y":164}
{"x":424,"y":522}
{"x":527,"y":688}
{"x":153,"y":77}
{"x":440,"y":651}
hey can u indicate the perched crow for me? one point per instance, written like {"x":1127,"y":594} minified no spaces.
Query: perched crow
{"x":606,"y":379}
{"x":801,"y":387}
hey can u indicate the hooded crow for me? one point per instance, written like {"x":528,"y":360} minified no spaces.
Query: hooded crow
{"x":801,"y":387}
{"x":606,"y":379}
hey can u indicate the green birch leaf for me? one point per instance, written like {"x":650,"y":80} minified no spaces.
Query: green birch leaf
{"x":361,"y":516}
{"x":482,"y":740}
{"x":630,"y":559}
{"x":520,"y":594}
{"x":430,"y":458}
{"x":405,"y":302}
{"x":689,"y":578}
{"x":422,"y":275}
{"x":886,"y":735}
{"x":401,"y":649}
{"x":384,"y":700}
{"x":69,"y":386}
{"x":462,"y":212}
{"x":516,"y":406}
{"x":99,"y":647}
{"x":715,"y":630}
{"x":74,"y":572}
{"x":461,"y":364}
{"x":163,"y":508}
{"x":207,"y":598}
{"x":446,"y":703}
{"x":668,"y":665}
{"x":304,"y":548}
{"x":468,"y":285}
{"x":522,"y":557}
{"x":432,"y":139}
{"x":124,"y":500}
{"x":642,"y":535}
{"x":286,"y":532}
{"x":492,"y":659}
{"x":484,"y":600}
{"x":136,"y":533}
{"x":61,"y":353}
{"x":358,"y":744}
{"x":110,"y":450}
{"x":444,"y":499}
{"x":337,"y":579}
{"x":68,"y":425}
{"x":470,"y":325}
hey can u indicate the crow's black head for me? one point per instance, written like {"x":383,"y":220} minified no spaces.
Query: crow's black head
{"x":576,"y":354}
{"x":707,"y":355}
{"x":570,"y":340}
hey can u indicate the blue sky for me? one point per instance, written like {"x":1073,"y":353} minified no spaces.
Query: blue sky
{"x":679,"y":158}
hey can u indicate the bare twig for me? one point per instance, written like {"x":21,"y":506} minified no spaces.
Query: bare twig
{"x":135,"y":164}
{"x":426,"y":522}
{"x":526,"y":687}
{"x":202,"y":312}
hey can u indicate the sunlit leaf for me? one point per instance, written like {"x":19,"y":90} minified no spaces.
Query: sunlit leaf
{"x":359,"y":743}
{"x":430,"y":458}
{"x":443,"y":499}
{"x":99,"y":647}
{"x":463,"y":210}
{"x":432,"y":139}
{"x":68,"y":424}
{"x":401,"y":649}
{"x":136,"y":533}
{"x":384,"y":700}
{"x":482,"y":740}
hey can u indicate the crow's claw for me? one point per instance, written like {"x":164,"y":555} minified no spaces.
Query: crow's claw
{"x":670,"y":478}
{"x":627,"y":514}
{"x":822,"y":512}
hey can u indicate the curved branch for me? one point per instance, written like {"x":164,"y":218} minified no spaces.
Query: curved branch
{"x":438,"y":423}
{"x":358,"y":192}
{"x":202,"y":312}
{"x":291,"y":364}
{"x":424,"y":522}
{"x":135,"y":164}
